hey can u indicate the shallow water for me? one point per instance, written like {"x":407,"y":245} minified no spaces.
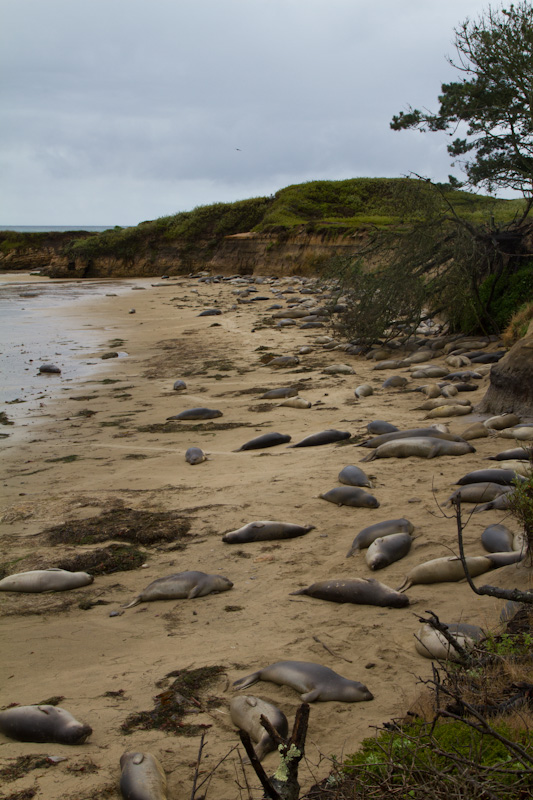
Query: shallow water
{"x":34,"y":331}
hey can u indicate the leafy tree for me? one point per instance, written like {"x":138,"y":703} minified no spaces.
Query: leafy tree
{"x":494,"y":97}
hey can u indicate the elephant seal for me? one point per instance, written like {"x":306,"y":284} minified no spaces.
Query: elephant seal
{"x":266,"y":440}
{"x":49,"y":369}
{"x":430,"y":643}
{"x":420,"y":447}
{"x":502,"y":421}
{"x":279,"y":394}
{"x":295,"y":402}
{"x":246,"y":711}
{"x":142,"y":777}
{"x":365,"y":390}
{"x":265,"y":530}
{"x":514,"y":454}
{"x":283,"y":361}
{"x":387,"y":528}
{"x":521,"y":434}
{"x":360,"y":591}
{"x":210,"y":312}
{"x":353,"y":476}
{"x":500,"y":503}
{"x":350,"y":496}
{"x":505,"y":559}
{"x":387,"y":549}
{"x":452,"y":410}
{"x":182,"y":585}
{"x":195,"y":455}
{"x":394,"y":382}
{"x":497,"y":539}
{"x":45,"y":580}
{"x":312,"y":681}
{"x":324,"y":437}
{"x":478,"y":493}
{"x":197,"y":413}
{"x":475,"y":431}
{"x":378,"y":427}
{"x":504,"y":477}
{"x":179,"y":386}
{"x":436,"y":433}
{"x":444,"y":570}
{"x":43,"y":723}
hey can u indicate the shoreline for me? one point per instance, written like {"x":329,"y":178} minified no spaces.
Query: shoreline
{"x":120,"y":454}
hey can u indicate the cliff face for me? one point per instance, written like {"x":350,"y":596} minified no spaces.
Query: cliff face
{"x":242,"y":253}
{"x":511,"y":381}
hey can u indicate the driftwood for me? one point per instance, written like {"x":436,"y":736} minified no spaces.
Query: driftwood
{"x":283,"y":785}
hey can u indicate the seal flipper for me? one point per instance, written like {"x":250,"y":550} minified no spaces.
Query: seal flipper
{"x":308,"y":697}
{"x":370,"y":457}
{"x":135,"y":602}
{"x":242,"y":683}
{"x":405,"y":585}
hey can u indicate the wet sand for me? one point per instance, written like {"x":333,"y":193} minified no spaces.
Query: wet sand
{"x":104,"y":446}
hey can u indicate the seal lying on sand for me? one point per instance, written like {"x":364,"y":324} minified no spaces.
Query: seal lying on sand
{"x":448,"y":568}
{"x":265,"y":530}
{"x":431,"y":643}
{"x":387,"y":549}
{"x":195,"y":455}
{"x":353,"y":476}
{"x":266,"y":440}
{"x":313,"y":681}
{"x":324,"y":437}
{"x":197,"y":413}
{"x":182,"y":585}
{"x":43,"y":724}
{"x":142,"y":777}
{"x":246,"y":711}
{"x":45,"y":580}
{"x":350,"y":496}
{"x":360,"y":591}
{"x":420,"y":447}
{"x":386,"y":528}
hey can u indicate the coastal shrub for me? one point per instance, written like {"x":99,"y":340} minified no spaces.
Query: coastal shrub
{"x":518,"y":324}
{"x":501,"y":296}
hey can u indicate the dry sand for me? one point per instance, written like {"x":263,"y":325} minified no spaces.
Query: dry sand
{"x":53,"y":647}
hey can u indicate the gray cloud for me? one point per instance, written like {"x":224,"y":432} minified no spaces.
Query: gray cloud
{"x":123,"y":110}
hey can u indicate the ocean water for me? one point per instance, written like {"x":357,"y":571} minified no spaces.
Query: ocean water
{"x":53,"y":228}
{"x":33,"y":332}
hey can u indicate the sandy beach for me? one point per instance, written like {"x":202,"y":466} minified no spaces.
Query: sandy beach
{"x":103,"y":448}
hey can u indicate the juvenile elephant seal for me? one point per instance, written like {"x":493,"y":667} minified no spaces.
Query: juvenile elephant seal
{"x":324,"y":437}
{"x":296,"y":402}
{"x":350,"y":496}
{"x":505,"y":559}
{"x":246,"y":711}
{"x":452,"y":410}
{"x":521,"y":434}
{"x":387,"y":549}
{"x":266,"y":440}
{"x":497,"y":539}
{"x":434,"y":432}
{"x":312,"y":681}
{"x":264,"y":531}
{"x":387,"y":528}
{"x":514,"y":454}
{"x":431,"y":643}
{"x":142,"y":777}
{"x":505,"y":477}
{"x":179,"y":386}
{"x":277,"y":394}
{"x":378,"y":427}
{"x":500,"y":503}
{"x":502,"y":421}
{"x":353,"y":476}
{"x":197,"y":413}
{"x":195,"y":455}
{"x":45,"y":580}
{"x":443,"y":570}
{"x":365,"y":390}
{"x":43,"y":724}
{"x":360,"y":591}
{"x":49,"y":369}
{"x":475,"y":431}
{"x":420,"y":447}
{"x":283,"y":361}
{"x":394,"y":382}
{"x":478,"y":493}
{"x":182,"y":585}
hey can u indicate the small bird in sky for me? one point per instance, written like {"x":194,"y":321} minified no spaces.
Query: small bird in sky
{"x":238,"y":148}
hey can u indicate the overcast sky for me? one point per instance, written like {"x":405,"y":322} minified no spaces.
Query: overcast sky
{"x":118,"y":111}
